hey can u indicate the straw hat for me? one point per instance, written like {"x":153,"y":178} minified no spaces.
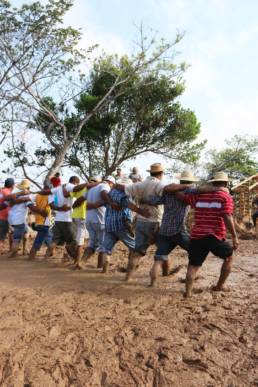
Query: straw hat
{"x":187,"y":176}
{"x":24,"y":184}
{"x":124,"y":180}
{"x":219,"y":176}
{"x":156,"y":168}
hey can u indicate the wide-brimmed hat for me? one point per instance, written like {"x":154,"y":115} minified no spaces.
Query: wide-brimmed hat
{"x":156,"y":168}
{"x":24,"y":184}
{"x":124,"y":180}
{"x":219,"y":176}
{"x":111,"y":179}
{"x":187,"y":176}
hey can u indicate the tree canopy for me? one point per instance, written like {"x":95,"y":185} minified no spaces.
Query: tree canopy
{"x":238,"y":158}
{"x":95,"y":119}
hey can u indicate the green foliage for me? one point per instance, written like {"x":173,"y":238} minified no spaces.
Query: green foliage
{"x":238,"y":158}
{"x":142,"y":115}
{"x":125,"y":106}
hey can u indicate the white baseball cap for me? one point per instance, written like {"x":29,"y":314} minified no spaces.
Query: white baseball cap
{"x":111,"y":179}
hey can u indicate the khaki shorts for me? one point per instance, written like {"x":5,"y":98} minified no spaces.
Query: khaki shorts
{"x":80,"y":230}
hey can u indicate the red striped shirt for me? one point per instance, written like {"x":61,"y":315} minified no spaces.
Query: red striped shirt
{"x":209,"y":211}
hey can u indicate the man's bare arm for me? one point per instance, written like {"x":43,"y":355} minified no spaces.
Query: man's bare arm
{"x":120,"y":187}
{"x":140,"y":211}
{"x":229,"y":222}
{"x":38,"y":211}
{"x":78,"y":202}
{"x":79,"y":187}
{"x":20,"y":200}
{"x":171,"y":188}
{"x":91,"y":206}
{"x":62,"y":208}
{"x":107,"y":199}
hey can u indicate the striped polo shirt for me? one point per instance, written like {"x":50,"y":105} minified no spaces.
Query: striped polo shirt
{"x":209,"y":211}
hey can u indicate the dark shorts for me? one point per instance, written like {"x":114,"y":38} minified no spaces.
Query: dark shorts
{"x":165,"y":244}
{"x":64,"y":232}
{"x":200,"y":248}
{"x":4,"y":228}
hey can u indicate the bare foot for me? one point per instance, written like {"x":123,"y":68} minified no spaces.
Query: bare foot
{"x":217,"y":288}
{"x":152,"y":284}
{"x":77,"y":266}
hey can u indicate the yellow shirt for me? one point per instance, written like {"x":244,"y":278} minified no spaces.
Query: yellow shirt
{"x":41,"y":202}
{"x":79,"y":212}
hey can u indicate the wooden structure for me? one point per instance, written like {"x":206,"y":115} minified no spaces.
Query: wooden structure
{"x":244,"y":194}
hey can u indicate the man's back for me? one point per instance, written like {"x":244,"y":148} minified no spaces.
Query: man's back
{"x":143,"y":190}
{"x":96,"y":215}
{"x":4,"y":192}
{"x":209,"y":211}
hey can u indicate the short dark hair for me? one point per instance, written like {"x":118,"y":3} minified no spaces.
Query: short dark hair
{"x":219,"y":183}
{"x":9,"y":182}
{"x":155,"y":174}
{"x":57,"y":174}
{"x":73,"y":179}
{"x":185,"y":182}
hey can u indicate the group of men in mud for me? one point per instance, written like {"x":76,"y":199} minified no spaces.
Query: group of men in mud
{"x":138,"y":213}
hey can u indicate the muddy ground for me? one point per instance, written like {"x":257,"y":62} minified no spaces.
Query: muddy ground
{"x":64,"y":328}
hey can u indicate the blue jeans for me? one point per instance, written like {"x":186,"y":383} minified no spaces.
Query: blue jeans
{"x":96,"y":235}
{"x":111,"y":238}
{"x":165,"y":244}
{"x":42,"y":236}
{"x":18,"y":231}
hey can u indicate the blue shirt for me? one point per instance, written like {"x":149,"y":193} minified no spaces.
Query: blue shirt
{"x":116,"y":220}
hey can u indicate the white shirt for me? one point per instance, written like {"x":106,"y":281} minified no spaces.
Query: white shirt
{"x":19,"y":212}
{"x":96,"y":215}
{"x":60,"y":200}
{"x":142,"y":190}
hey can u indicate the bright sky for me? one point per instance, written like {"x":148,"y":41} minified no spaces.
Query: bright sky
{"x":220,"y":44}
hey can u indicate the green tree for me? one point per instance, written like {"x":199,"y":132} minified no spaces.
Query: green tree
{"x":238,"y":158}
{"x":146,"y":116}
{"x":123,"y":107}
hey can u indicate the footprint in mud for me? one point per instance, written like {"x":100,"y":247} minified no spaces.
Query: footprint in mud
{"x":196,"y":363}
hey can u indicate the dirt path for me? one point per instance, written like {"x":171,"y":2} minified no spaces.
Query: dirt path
{"x":65,"y":328}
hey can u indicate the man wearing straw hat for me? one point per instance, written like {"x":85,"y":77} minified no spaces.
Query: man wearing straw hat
{"x":213,"y":214}
{"x":146,"y":229}
{"x":172,"y":231}
{"x":17,"y":216}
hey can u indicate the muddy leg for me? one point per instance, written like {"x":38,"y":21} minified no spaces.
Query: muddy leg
{"x":165,"y":268}
{"x":100,"y":261}
{"x":32,"y":253}
{"x":15,"y":248}
{"x":24,"y":244}
{"x":88,"y":253}
{"x":224,"y":273}
{"x":106,"y":260}
{"x":10,"y":239}
{"x":133,"y":263}
{"x":189,"y":281}
{"x":154,"y":272}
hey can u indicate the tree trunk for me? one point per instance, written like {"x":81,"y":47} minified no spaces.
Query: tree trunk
{"x":60,"y":157}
